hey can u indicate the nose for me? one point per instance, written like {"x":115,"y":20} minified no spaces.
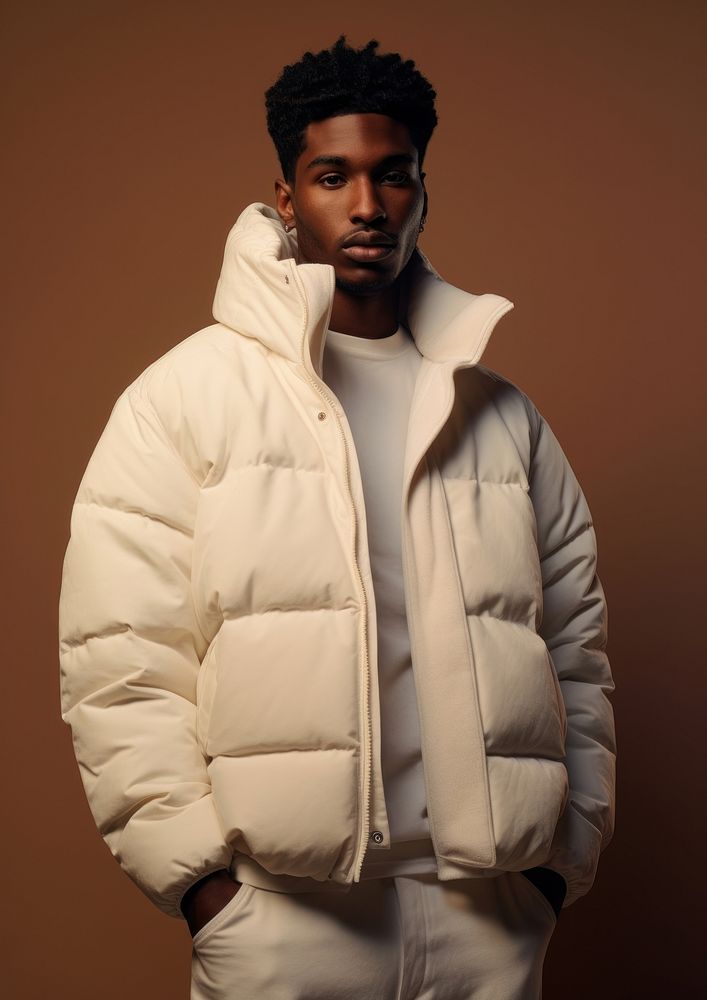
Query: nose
{"x":365,"y":204}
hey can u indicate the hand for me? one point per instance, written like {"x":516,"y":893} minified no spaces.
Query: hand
{"x":207,"y":897}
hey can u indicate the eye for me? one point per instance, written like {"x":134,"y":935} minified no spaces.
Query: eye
{"x":402,"y":177}
{"x":329,"y":177}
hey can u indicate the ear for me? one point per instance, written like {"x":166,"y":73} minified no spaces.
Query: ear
{"x":283,"y":202}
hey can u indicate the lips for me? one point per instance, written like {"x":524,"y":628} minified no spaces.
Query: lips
{"x":368,"y":246}
{"x":373,"y":251}
{"x":368,"y":240}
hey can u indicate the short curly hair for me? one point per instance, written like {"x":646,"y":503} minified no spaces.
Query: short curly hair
{"x":342,"y":80}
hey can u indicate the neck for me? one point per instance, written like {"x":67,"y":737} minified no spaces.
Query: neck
{"x":371,"y":316}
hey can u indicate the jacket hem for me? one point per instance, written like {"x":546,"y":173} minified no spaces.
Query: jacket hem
{"x":245,"y":869}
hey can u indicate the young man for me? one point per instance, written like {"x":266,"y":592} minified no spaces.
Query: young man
{"x":331,"y":635}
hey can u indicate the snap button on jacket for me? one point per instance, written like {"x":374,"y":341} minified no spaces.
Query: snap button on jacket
{"x":217,"y":638}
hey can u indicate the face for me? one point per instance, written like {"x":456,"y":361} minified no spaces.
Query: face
{"x":357,"y":180}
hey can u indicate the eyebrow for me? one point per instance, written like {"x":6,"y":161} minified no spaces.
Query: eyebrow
{"x":341,"y":161}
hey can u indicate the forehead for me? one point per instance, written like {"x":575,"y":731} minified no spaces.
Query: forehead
{"x":361,"y":138}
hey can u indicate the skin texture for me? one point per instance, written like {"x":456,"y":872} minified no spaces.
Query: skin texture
{"x":329,"y":202}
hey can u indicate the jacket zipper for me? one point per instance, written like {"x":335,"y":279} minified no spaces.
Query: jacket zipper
{"x":366,"y":674}
{"x":368,"y":743}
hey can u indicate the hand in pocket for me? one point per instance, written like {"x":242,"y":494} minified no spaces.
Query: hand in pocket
{"x":206,"y":898}
{"x":550,"y":883}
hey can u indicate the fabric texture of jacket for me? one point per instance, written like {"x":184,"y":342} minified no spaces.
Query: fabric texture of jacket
{"x":217,"y":637}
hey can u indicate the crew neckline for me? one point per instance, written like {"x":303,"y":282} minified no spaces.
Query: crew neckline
{"x":380,"y":348}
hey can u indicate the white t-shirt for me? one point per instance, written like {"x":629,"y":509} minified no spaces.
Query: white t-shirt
{"x":374,"y":381}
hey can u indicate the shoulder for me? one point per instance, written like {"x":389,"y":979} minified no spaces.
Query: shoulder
{"x":199,"y":374}
{"x":512,"y":403}
{"x":210,"y":350}
{"x":192,"y":394}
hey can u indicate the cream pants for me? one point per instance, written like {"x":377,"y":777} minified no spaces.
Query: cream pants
{"x":396,"y":938}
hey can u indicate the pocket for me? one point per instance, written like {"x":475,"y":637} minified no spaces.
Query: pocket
{"x":224,"y":914}
{"x":539,"y":896}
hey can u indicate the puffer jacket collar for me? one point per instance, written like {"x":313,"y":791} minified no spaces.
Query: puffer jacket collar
{"x":263,"y":293}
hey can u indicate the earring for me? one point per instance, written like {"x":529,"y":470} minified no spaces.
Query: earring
{"x":422,"y":224}
{"x":288,"y":227}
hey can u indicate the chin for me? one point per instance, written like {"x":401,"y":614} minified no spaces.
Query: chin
{"x":367,"y":285}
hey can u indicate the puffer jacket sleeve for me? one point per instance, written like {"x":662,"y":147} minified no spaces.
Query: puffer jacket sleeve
{"x":130,"y":649}
{"x":574,"y":628}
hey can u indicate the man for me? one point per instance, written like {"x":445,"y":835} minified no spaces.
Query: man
{"x":331,"y":635}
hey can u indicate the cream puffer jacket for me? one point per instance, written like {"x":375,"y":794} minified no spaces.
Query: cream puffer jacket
{"x":217,"y":614}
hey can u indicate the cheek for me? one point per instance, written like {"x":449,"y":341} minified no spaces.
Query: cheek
{"x":314,"y":236}
{"x":413,"y":215}
{"x":410,"y":232}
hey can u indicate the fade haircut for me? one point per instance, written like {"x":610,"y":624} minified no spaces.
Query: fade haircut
{"x":343,"y":80}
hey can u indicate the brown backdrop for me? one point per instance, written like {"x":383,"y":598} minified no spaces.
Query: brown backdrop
{"x":565,"y":174}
